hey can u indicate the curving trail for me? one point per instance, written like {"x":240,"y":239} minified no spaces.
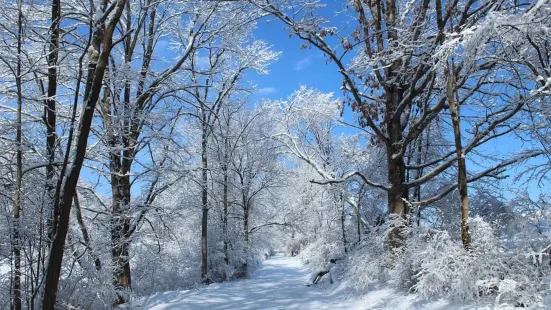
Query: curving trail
{"x":281,"y":284}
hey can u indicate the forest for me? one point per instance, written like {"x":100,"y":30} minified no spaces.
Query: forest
{"x":151,"y":146}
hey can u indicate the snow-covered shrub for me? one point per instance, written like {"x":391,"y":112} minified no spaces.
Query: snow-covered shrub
{"x":517,"y":280}
{"x":165,"y":256}
{"x":316,"y":254}
{"x":156,"y":271}
{"x":432,"y":263}
{"x":440,"y":266}
{"x":295,"y":246}
{"x":369,"y":261}
{"x":444,"y":268}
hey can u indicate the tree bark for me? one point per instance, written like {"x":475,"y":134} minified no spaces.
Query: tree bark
{"x":121,"y":149}
{"x":461,"y":165}
{"x":50,"y":115}
{"x":396,"y":166}
{"x":120,"y":227}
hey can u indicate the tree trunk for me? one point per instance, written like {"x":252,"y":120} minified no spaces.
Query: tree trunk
{"x":461,"y":165}
{"x":357,"y":213}
{"x":19,"y":171}
{"x":204,"y":196}
{"x":58,"y":243}
{"x":225,"y":201}
{"x":343,"y":227}
{"x":121,"y":151}
{"x":120,"y":227}
{"x":120,"y":255}
{"x":50,"y":115}
{"x":225,"y":215}
{"x":421,"y":157}
{"x":246,"y":237}
{"x":358,"y":223}
{"x":396,"y":167}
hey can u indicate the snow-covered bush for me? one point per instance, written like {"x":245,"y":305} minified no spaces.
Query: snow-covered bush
{"x":440,"y":266}
{"x":432,"y":264}
{"x":316,"y":254}
{"x":444,"y":268}
{"x":369,"y":262}
{"x":156,"y":271}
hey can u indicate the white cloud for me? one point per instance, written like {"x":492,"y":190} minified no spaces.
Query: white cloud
{"x":202,"y":62}
{"x":303,"y":63}
{"x":266,"y":90}
{"x":162,"y":45}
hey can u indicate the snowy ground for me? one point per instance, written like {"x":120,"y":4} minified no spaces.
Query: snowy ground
{"x":281,"y":284}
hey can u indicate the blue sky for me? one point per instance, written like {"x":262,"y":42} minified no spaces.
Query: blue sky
{"x":294,"y":67}
{"x":297,"y":66}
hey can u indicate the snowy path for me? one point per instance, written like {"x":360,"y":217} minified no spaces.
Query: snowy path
{"x":281,"y":284}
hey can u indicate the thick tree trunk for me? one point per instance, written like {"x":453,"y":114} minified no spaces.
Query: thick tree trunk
{"x":120,"y":227}
{"x":461,"y":165}
{"x":246,"y":215}
{"x":396,"y":177}
{"x":120,"y":255}
{"x":120,"y":161}
{"x":121,"y":149}
{"x":396,"y":167}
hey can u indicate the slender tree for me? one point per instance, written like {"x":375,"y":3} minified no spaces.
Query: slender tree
{"x":50,"y":112}
{"x":461,"y":165}
{"x":17,"y":242}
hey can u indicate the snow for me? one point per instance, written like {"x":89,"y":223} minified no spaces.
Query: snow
{"x":281,"y":284}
